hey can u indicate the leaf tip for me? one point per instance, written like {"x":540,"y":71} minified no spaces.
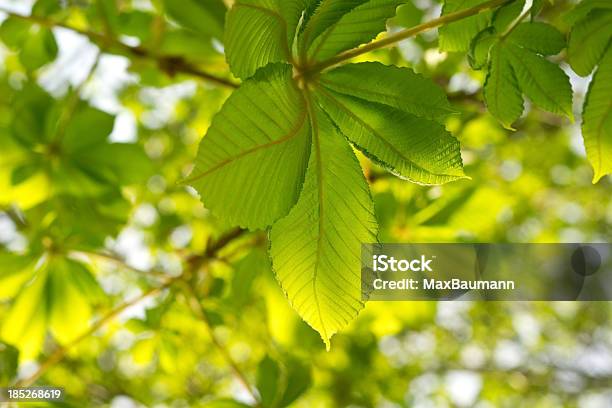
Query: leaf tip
{"x":597,"y":176}
{"x":327,"y":342}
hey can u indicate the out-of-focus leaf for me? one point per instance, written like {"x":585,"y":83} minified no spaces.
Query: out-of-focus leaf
{"x":268,"y":378}
{"x":408,"y":15}
{"x":13,"y":32}
{"x":23,"y":172}
{"x":184,"y":43}
{"x":225,"y":403}
{"x":205,"y":17}
{"x":87,"y":128}
{"x":9,"y":362}
{"x":245,"y":272}
{"x":137,"y":23}
{"x":280,"y":386}
{"x":69,"y":309}
{"x":55,"y":299}
{"x":32,"y":115}
{"x":38,"y":49}
{"x":25,"y":323}
{"x":15,"y":270}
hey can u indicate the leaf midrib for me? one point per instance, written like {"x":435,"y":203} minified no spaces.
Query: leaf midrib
{"x":317,"y":148}
{"x":380,"y":137}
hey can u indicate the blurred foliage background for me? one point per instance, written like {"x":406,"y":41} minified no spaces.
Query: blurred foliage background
{"x":117,"y":285}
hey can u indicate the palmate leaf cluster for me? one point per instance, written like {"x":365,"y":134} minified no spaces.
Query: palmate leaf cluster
{"x":76,"y":174}
{"x":281,"y":153}
{"x":515,"y":56}
{"x":278,"y":152}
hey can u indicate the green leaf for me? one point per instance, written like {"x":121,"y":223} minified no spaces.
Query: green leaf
{"x":358,"y":26}
{"x":506,"y":14}
{"x":55,"y":298}
{"x":588,"y":41}
{"x":69,"y":308}
{"x":400,"y":88}
{"x":13,"y":32}
{"x":542,"y":81}
{"x":316,"y":248}
{"x":408,"y":15}
{"x":224,"y":403}
{"x":501,"y":91}
{"x":268,"y":376}
{"x":260,"y":32}
{"x":326,"y":14}
{"x":38,"y":49}
{"x":115,"y":163}
{"x":538,"y":37}
{"x":9,"y":362}
{"x":32,"y":108}
{"x":15,"y":270}
{"x":25,"y":323}
{"x":24,"y":172}
{"x":245,"y":272}
{"x":480,"y":48}
{"x":251,"y":163}
{"x":458,"y":35}
{"x":536,"y":8}
{"x":205,"y":17}
{"x":597,"y":119}
{"x":45,"y":8}
{"x":411,"y":147}
{"x":87,"y":128}
{"x":583,"y":9}
{"x":281,"y":384}
{"x":516,"y":66}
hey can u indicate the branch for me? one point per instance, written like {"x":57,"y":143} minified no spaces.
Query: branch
{"x":407,"y":33}
{"x":60,"y":353}
{"x":197,"y":307}
{"x":169,"y":64}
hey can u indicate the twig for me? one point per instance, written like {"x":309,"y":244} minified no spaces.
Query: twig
{"x":170,"y":64}
{"x":402,"y":35}
{"x":117,"y":260}
{"x":60,"y":353}
{"x":197,"y":307}
{"x":72,"y":104}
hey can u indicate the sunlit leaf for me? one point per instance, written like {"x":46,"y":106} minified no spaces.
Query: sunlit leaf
{"x":316,"y":248}
{"x":597,"y":119}
{"x":252,"y":161}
